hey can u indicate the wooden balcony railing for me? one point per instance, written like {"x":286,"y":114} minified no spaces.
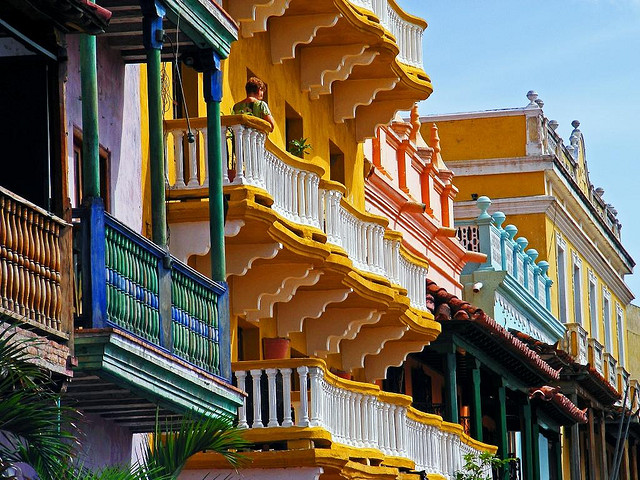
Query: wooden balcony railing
{"x":35,"y":259}
{"x":303,"y":393}
{"x":299,"y":195}
{"x":130,"y":283}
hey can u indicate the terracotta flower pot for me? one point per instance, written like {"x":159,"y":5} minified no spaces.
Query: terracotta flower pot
{"x":275,"y":348}
{"x":343,"y":374}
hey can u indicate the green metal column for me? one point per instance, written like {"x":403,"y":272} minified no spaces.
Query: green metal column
{"x":574,"y":446}
{"x":152,"y":35}
{"x":450,"y":388}
{"x":535,"y":444}
{"x":503,"y":445}
{"x":527,"y":441}
{"x":476,"y":402}
{"x":90,"y":136}
{"x":216,"y":193}
{"x":557,"y":450}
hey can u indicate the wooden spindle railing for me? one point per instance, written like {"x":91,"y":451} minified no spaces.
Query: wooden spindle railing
{"x":32,"y":248}
{"x":149,"y":293}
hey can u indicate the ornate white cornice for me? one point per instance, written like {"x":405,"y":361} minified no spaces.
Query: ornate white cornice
{"x":494,"y":166}
{"x":507,"y":112}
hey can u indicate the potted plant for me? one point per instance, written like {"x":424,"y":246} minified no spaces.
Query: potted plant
{"x":299,"y":147}
{"x":275,"y":348}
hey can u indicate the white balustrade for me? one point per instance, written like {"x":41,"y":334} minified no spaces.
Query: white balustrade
{"x":297,"y":196}
{"x":186,"y":159}
{"x":408,"y":35}
{"x":353,"y":418}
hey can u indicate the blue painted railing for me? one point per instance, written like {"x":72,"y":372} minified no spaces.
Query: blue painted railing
{"x":130,"y":283}
{"x":504,"y":252}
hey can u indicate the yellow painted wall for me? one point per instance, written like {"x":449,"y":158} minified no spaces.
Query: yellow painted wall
{"x":500,"y":186}
{"x":283,"y":85}
{"x":493,"y":137}
{"x":633,"y":339}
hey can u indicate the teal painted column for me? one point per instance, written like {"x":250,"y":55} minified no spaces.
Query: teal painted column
{"x":476,"y":402}
{"x":535,"y":444}
{"x":450,"y":388}
{"x":574,"y":446}
{"x":153,"y":14}
{"x":503,"y":445}
{"x":90,"y":135}
{"x":213,"y":97}
{"x":557,"y":450}
{"x":527,"y":440}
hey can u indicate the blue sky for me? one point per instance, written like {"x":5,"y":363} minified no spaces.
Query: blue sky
{"x":581,"y":56}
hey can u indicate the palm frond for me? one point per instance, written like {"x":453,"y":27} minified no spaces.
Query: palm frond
{"x":169,"y":452}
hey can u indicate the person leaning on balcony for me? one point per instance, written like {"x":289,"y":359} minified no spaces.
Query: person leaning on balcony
{"x":253,"y":104}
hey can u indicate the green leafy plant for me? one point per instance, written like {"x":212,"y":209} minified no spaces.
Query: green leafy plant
{"x":480,"y":466}
{"x":299,"y":147}
{"x":36,"y":431}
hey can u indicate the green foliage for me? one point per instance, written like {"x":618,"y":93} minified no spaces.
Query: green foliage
{"x":299,"y":147}
{"x":480,"y":467}
{"x":37,"y":431}
{"x":168,"y":453}
{"x":31,"y":418}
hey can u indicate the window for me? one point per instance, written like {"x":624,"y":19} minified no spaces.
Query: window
{"x":104,"y":170}
{"x":593,"y":302}
{"x":606,"y":319}
{"x":293,"y":127}
{"x":620,"y":332}
{"x":577,"y":288}
{"x":336,"y":163}
{"x":562,"y":277}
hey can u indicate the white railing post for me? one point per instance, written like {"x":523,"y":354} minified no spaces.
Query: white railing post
{"x":242,"y":411}
{"x":226,"y":156}
{"x":303,"y":421}
{"x":238,"y":134}
{"x":286,"y":397}
{"x":273,"y":410}
{"x":257,"y":399}
{"x":193,"y":164}
{"x":178,"y":157}
{"x":316,"y":377}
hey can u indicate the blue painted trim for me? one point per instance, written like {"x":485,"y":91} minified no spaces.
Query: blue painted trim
{"x":153,"y":13}
{"x":224,"y":330}
{"x":93,"y":266}
{"x":213,"y":79}
{"x":218,"y":287}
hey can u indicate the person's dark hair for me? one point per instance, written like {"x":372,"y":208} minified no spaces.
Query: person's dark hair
{"x":254,"y":85}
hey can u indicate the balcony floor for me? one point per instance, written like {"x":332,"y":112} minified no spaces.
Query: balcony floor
{"x":128,"y":380}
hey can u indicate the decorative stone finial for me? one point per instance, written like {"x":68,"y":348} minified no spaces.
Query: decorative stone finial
{"x":511,"y":230}
{"x":499,"y":218}
{"x":533,"y":254}
{"x":544,"y":267}
{"x":415,"y":123}
{"x":599,"y":191}
{"x":553,"y":125}
{"x":523,"y":242}
{"x":434,"y":139}
{"x":532,"y":95}
{"x":539,"y":102}
{"x":483,"y":203}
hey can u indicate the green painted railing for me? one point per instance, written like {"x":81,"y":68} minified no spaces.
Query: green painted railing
{"x":130,"y":283}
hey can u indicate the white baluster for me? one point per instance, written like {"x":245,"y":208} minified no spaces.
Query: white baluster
{"x":303,"y":197}
{"x":286,"y":397}
{"x":303,"y":421}
{"x":238,"y":132}
{"x":316,"y":374}
{"x":178,"y":158}
{"x":242,"y":411}
{"x":193,"y":163}
{"x":257,"y":399}
{"x":273,"y":412}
